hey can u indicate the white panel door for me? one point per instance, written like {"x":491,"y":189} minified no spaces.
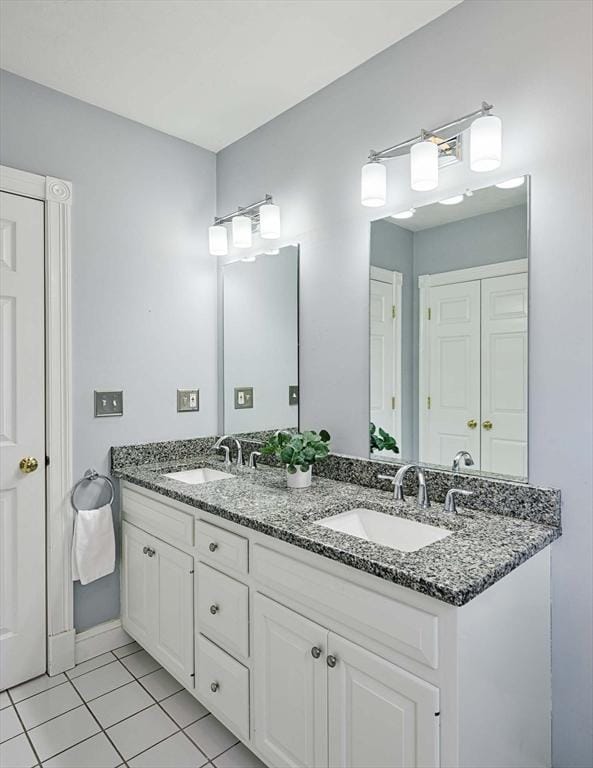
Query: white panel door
{"x":22,"y":434}
{"x":136,"y":585}
{"x":173,"y":596}
{"x":290,"y":687}
{"x":504,"y":375}
{"x":382,"y":351}
{"x":450,"y":422}
{"x":380,"y":716}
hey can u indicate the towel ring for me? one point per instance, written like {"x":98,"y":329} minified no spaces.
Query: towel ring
{"x":89,"y":476}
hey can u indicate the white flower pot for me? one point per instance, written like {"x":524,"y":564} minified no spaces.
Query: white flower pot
{"x":298,"y":479}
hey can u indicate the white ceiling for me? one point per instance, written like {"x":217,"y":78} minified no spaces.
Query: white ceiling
{"x":484,"y":200}
{"x":208,"y":71}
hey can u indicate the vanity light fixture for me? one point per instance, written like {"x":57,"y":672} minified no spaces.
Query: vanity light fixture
{"x":262,"y":216}
{"x":434,"y":149}
{"x":404,"y":214}
{"x":511,"y":183}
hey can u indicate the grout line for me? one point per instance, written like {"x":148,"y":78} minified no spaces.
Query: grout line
{"x":113,"y":658}
{"x":133,"y":757}
{"x":8,"y":690}
{"x":24,"y":731}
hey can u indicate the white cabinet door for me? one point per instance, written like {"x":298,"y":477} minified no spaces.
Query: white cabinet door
{"x":504,"y":375}
{"x":290,"y":687}
{"x":136,"y":585}
{"x":173,"y":633}
{"x":22,"y":434}
{"x":450,"y":421}
{"x":380,"y":716}
{"x":157,"y":600}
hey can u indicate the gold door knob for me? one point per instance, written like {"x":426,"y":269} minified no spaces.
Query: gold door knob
{"x":472,"y":423}
{"x":487,"y":425}
{"x":28,"y":464}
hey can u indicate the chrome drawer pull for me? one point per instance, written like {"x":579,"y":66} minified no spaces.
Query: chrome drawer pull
{"x":214,"y":687}
{"x":315,"y":652}
{"x":331,"y":661}
{"x":213,"y":609}
{"x":212,"y":546}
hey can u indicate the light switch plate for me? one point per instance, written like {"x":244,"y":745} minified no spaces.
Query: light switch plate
{"x":293,"y":394}
{"x":109,"y":403}
{"x":243,"y":397}
{"x":188,"y":400}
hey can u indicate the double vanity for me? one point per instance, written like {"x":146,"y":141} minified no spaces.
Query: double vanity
{"x":337,"y":626}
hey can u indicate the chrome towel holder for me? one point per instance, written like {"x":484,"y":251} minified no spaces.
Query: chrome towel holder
{"x":89,"y":476}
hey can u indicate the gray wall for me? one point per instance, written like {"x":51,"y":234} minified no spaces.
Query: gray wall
{"x":143,"y":285}
{"x":533,"y":61}
{"x":261,"y":340}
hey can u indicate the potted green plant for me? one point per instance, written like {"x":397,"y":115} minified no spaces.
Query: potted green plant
{"x":382,"y":441}
{"x":298,"y":452}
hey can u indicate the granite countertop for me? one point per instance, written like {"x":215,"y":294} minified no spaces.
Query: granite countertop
{"x":483,"y":548}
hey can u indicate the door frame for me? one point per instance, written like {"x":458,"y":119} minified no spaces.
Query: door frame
{"x":395,"y":279}
{"x":425,"y":283}
{"x":56,"y":194}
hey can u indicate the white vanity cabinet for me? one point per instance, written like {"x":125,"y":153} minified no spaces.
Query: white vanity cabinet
{"x":157,"y":589}
{"x":313,"y":664}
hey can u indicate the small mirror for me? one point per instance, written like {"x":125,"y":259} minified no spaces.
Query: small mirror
{"x":449,"y":332}
{"x":260,"y":328}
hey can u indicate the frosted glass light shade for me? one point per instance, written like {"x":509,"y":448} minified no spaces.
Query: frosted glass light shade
{"x":424,"y":166}
{"x":404,"y":214}
{"x":218,"y":241}
{"x":269,"y":221}
{"x":485,"y":143}
{"x":452,"y":200}
{"x":373,"y":185}
{"x":242,"y":237}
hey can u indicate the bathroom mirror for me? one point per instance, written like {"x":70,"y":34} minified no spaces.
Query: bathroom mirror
{"x":260,"y":353}
{"x":449,"y":332}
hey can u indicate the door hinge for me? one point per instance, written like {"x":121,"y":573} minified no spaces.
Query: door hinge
{"x":437,"y":714}
{"x":393,"y":312}
{"x":191,"y":571}
{"x":429,"y":313}
{"x":47,"y":461}
{"x":393,"y":403}
{"x":428,"y":402}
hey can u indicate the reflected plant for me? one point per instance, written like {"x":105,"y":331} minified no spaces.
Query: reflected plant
{"x":382,"y":441}
{"x":301,"y":450}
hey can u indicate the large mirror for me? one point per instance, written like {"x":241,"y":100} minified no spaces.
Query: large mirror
{"x":260,"y":337}
{"x":449,"y":332}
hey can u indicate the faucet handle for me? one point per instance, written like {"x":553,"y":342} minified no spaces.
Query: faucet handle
{"x":398,"y":491}
{"x":227,"y":454}
{"x":253,"y":457}
{"x":450,"y":502}
{"x":387,"y":477}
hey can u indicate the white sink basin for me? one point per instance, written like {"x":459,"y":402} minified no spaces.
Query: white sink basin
{"x":395,"y":532}
{"x":198,"y":476}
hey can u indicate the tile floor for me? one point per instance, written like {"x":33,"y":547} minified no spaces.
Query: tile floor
{"x":117,"y":709}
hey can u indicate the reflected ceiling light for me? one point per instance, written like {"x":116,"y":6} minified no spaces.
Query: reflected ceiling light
{"x":435,"y":149}
{"x":452,"y":200}
{"x":263,"y":216}
{"x":269,"y":221}
{"x":511,"y":183}
{"x":218,"y":240}
{"x":404,"y":214}
{"x":272,"y":252}
{"x":248,"y":258}
{"x":373,"y":185}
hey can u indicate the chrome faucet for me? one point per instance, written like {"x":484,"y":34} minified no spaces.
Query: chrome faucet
{"x":227,"y":456}
{"x":462,"y":456}
{"x":423,"y":500}
{"x":450,"y":500}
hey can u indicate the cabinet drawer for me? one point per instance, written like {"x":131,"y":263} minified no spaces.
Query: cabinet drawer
{"x":223,"y":685}
{"x":221,"y":547}
{"x":157,"y":517}
{"x":408,"y":630}
{"x":223,"y":609}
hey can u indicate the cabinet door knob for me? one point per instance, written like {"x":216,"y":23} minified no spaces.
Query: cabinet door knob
{"x":149,"y":551}
{"x":331,"y":661}
{"x":472,"y":423}
{"x":315,"y":652}
{"x":214,"y":687}
{"x":212,"y":546}
{"x":487,"y":425}
{"x":28,"y":464}
{"x":144,"y":550}
{"x":213,"y":609}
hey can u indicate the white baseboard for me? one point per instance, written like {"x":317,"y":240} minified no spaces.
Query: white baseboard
{"x":60,"y":652}
{"x":100,"y":639}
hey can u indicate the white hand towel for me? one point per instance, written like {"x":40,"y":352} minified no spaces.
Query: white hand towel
{"x":93,"y":544}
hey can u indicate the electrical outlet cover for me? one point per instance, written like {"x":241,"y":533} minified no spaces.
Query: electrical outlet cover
{"x":188,"y":400}
{"x":109,"y":403}
{"x":243,"y":398}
